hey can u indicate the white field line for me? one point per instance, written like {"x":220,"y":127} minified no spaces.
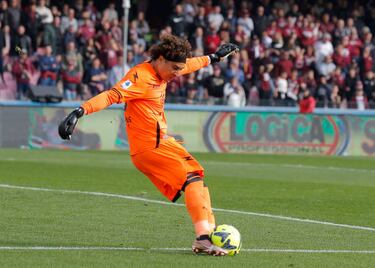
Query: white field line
{"x":365,"y":228}
{"x":41,"y":248}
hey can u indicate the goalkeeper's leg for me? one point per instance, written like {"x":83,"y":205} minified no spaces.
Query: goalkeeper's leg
{"x":200,"y":211}
{"x":211,"y":217}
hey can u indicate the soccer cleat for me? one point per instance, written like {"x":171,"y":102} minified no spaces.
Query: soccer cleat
{"x":203,"y":245}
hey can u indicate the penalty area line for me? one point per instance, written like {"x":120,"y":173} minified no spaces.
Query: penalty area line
{"x":253,"y":250}
{"x":134,"y":198}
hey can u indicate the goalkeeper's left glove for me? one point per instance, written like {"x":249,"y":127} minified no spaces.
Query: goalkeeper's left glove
{"x":67,"y":126}
{"x":224,"y":51}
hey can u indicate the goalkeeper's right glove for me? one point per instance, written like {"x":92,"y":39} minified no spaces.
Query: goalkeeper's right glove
{"x":224,"y":51}
{"x":67,"y":126}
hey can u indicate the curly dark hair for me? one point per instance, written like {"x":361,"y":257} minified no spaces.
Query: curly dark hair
{"x":172,"y":48}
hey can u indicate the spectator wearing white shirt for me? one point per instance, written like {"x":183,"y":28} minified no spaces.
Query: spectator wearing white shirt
{"x":69,"y":21}
{"x":323,"y":48}
{"x":44,"y":13}
{"x":327,"y":67}
{"x":215,"y":18}
{"x":246,"y":22}
{"x":234,"y":93}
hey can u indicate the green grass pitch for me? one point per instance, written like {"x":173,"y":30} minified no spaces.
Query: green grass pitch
{"x":94,"y":209}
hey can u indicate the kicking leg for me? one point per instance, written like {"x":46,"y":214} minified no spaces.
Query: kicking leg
{"x":199,"y":211}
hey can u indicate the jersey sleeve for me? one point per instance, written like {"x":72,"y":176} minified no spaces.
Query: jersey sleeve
{"x":130,"y":87}
{"x":194,"y":64}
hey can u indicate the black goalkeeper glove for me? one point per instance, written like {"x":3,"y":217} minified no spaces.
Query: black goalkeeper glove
{"x":67,"y":126}
{"x":224,"y":51}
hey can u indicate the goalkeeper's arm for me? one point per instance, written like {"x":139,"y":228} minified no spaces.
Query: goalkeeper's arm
{"x":97,"y":103}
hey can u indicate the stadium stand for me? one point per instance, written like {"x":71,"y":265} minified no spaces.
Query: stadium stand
{"x":287,"y":48}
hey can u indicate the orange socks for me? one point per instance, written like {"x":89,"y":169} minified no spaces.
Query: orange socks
{"x":211,"y":217}
{"x":198,"y":204}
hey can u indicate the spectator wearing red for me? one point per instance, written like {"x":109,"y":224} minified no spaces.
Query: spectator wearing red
{"x":87,"y":30}
{"x":341,"y":57}
{"x":308,"y":34}
{"x":307,"y":103}
{"x":326,"y":26}
{"x":355,"y":45}
{"x":285,"y":64}
{"x":366,"y":62}
{"x":290,"y":27}
{"x":212,"y":41}
{"x":23,"y":70}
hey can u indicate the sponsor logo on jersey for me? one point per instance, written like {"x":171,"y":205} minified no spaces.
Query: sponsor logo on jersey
{"x":126,"y":84}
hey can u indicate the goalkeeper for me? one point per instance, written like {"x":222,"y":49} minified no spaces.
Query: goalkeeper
{"x":160,"y":157}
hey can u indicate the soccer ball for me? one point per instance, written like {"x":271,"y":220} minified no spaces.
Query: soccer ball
{"x":228,"y":238}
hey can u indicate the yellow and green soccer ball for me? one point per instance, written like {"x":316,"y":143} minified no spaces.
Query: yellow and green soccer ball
{"x":228,"y":238}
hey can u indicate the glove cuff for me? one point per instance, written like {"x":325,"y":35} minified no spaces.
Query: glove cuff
{"x":214,"y":58}
{"x":79,"y":112}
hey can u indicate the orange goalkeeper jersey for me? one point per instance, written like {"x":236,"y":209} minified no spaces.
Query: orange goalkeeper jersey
{"x":143,"y":91}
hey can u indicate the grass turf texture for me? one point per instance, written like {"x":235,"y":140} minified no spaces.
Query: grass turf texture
{"x":332,"y":189}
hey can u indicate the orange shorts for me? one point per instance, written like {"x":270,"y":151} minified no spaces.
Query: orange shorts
{"x":167,"y":167}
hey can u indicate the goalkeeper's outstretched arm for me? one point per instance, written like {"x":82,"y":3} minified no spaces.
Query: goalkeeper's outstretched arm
{"x":97,"y":103}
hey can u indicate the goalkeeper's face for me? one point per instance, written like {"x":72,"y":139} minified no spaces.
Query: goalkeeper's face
{"x":168,"y":70}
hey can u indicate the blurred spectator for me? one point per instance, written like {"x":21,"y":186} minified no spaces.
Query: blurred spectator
{"x":326,"y":67}
{"x":200,"y":19}
{"x":103,"y":36}
{"x":30,"y":20}
{"x":89,"y":53}
{"x":23,"y":70}
{"x":44,"y":13}
{"x":234,"y":93}
{"x":177,"y":22}
{"x":69,"y":21}
{"x":116,"y":31}
{"x":86,"y":31}
{"x":369,"y":86}
{"x":117,"y":72}
{"x":197,"y":40}
{"x":307,"y":103}
{"x":71,"y":78}
{"x":96,"y":77}
{"x":359,"y":100}
{"x":21,"y":40}
{"x":215,"y":18}
{"x":234,"y":70}
{"x":142,"y":25}
{"x":350,"y":83}
{"x":4,"y":13}
{"x":191,"y":87}
{"x":215,"y":86}
{"x":323,"y":92}
{"x":110,"y":54}
{"x":281,"y":88}
{"x":110,"y":13}
{"x":73,"y":56}
{"x":49,"y":68}
{"x":260,"y":21}
{"x":212,"y":41}
{"x":56,"y":36}
{"x":335,"y":98}
{"x":246,"y":22}
{"x":14,"y":12}
{"x":323,"y":48}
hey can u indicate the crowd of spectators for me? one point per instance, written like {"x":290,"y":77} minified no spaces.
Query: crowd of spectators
{"x":289,"y":50}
